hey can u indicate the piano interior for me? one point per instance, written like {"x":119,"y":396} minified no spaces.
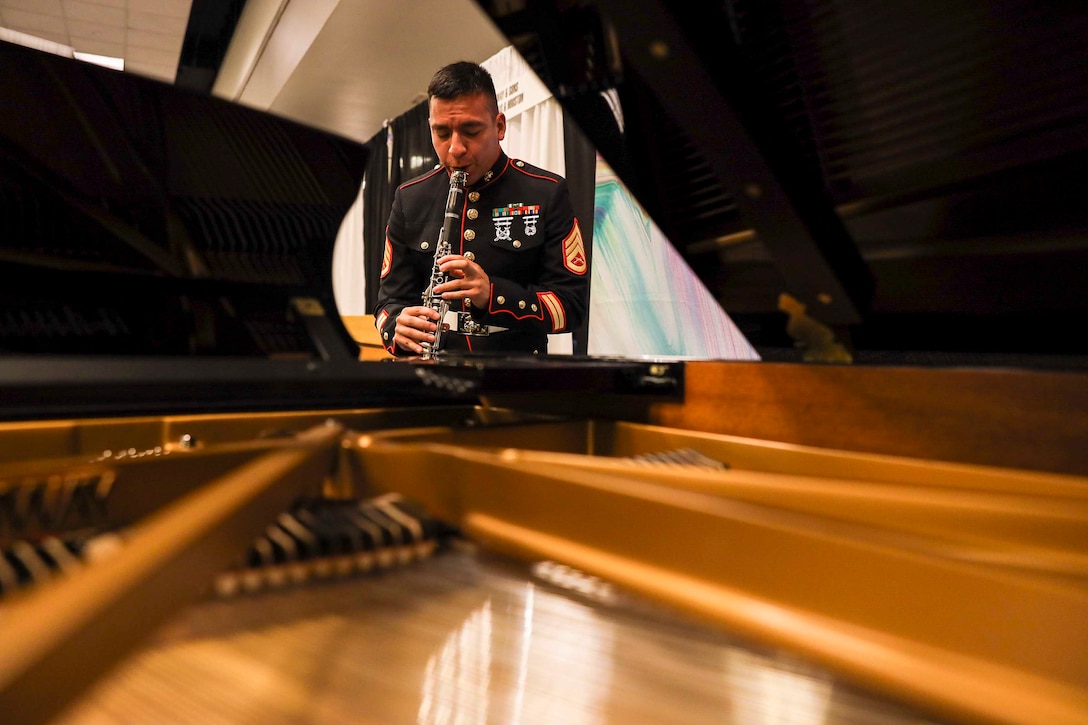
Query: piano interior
{"x":212,"y":511}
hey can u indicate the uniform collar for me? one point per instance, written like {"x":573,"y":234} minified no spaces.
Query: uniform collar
{"x":493,"y":173}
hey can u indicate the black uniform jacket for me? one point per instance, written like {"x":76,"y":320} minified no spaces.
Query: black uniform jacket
{"x":518,"y":224}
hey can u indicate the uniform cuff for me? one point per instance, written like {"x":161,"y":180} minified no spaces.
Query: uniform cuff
{"x":512,"y":300}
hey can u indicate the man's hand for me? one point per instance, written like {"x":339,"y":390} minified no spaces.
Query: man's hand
{"x":415,"y":325}
{"x":468,"y":281}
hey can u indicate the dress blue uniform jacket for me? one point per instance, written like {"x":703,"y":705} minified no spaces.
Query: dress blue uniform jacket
{"x":518,"y":224}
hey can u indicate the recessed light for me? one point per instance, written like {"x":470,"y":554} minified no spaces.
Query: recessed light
{"x":108,"y":61}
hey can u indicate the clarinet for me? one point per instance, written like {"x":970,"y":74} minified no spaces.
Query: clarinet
{"x":458,"y":179}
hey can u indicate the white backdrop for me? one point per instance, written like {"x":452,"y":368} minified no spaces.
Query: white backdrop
{"x":349,"y":263}
{"x":534,"y":119}
{"x":534,"y":130}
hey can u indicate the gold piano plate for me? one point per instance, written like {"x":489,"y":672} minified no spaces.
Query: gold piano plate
{"x":955,"y":588}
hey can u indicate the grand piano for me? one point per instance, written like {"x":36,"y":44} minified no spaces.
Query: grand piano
{"x":884,"y":519}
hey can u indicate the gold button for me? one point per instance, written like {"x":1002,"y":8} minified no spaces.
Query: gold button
{"x":472,"y":213}
{"x":521,"y":304}
{"x":469,"y":235}
{"x":424,"y":245}
{"x":517,"y":244}
{"x":520,"y":163}
{"x":501,"y":300}
{"x":470,"y":256}
{"x":533,"y":308}
{"x":474,"y":196}
{"x":385,"y":335}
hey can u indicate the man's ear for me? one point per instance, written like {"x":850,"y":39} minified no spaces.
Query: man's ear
{"x":500,"y":125}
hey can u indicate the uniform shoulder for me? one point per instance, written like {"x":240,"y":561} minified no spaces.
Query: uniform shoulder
{"x":421,"y":180}
{"x":527,"y":169}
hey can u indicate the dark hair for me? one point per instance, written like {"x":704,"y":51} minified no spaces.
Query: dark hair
{"x":460,"y":79}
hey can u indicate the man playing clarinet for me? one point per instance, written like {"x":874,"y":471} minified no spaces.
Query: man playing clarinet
{"x":515,"y":269}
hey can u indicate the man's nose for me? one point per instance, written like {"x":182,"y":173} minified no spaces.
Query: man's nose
{"x":457,"y":145}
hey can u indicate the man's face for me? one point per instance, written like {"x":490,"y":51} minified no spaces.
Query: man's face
{"x":465,"y":133}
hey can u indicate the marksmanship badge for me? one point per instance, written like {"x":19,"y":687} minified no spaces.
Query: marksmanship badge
{"x":502,"y":227}
{"x":505,"y":215}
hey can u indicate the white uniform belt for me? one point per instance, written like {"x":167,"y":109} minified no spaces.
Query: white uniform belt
{"x":462,"y":323}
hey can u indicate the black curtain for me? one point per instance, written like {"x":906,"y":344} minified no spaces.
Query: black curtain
{"x":411,"y":155}
{"x":377,"y":200}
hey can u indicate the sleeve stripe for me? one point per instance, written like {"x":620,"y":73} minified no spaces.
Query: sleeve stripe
{"x":379,"y":322}
{"x":555,"y":310}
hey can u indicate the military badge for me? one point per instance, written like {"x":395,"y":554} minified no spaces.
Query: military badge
{"x":502,"y":227}
{"x":530,"y":223}
{"x":505,"y":215}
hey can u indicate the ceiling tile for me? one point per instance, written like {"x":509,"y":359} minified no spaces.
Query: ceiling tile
{"x":152,"y":56}
{"x":170,"y":8}
{"x":45,"y":7}
{"x":99,"y":47}
{"x":33,"y":23}
{"x":95,"y":31}
{"x":154,"y":70}
{"x":156,"y":23}
{"x":61,"y":38}
{"x":78,"y":10}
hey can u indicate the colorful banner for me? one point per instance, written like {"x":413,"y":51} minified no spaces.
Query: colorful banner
{"x":645,"y":300}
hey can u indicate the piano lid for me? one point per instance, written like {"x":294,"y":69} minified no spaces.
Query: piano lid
{"x":913,"y":175}
{"x":140,"y":219}
{"x":165,"y":251}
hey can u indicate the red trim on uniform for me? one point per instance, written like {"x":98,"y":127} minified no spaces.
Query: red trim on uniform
{"x":508,"y":310}
{"x":421,"y":179}
{"x":535,"y":176}
{"x":550,"y":302}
